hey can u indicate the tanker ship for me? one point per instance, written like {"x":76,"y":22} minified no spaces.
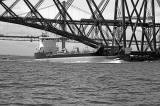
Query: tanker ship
{"x":49,"y":48}
{"x":57,"y":50}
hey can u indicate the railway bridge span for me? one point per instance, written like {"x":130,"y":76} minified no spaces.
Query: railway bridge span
{"x":118,"y":23}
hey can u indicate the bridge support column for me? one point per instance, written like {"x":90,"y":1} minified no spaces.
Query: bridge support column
{"x":64,"y":26}
{"x":153,"y":22}
{"x":123,"y":24}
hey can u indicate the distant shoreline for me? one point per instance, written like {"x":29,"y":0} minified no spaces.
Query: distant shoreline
{"x":15,"y":57}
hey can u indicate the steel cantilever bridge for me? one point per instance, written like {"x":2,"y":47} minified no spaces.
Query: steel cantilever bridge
{"x":134,"y":23}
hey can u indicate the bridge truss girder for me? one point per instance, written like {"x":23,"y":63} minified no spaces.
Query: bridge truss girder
{"x":42,"y":24}
{"x":138,"y":14}
{"x":125,"y":19}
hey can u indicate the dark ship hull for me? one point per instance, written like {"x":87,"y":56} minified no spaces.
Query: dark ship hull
{"x":77,"y":58}
{"x":39,"y":55}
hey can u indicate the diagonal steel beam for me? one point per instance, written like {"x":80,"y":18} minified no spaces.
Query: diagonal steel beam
{"x":62,"y":12}
{"x":104,"y":20}
{"x":135,"y":26}
{"x":135,"y":9}
{"x":143,"y":28}
{"x":67,"y":14}
{"x":68,"y":4}
{"x":97,"y":15}
{"x":94,"y":17}
{"x":82,"y":39}
{"x":37,"y":15}
{"x":58,"y":3}
{"x":5,"y":12}
{"x":13,"y":14}
{"x":132,"y":26}
{"x":60,"y":6}
{"x":38,"y":4}
{"x":92,"y":27}
{"x":152,"y":38}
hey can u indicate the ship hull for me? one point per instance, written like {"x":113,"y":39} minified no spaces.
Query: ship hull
{"x":78,"y":58}
{"x":43,"y":55}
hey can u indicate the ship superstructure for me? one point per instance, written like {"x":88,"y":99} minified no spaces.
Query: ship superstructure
{"x":47,"y":45}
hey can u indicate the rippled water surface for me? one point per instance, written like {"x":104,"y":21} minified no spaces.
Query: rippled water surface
{"x":39,"y":83}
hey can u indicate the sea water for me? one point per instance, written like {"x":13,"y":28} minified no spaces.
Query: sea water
{"x":28,"y":82}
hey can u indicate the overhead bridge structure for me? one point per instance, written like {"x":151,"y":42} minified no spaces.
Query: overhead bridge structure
{"x":118,"y":23}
